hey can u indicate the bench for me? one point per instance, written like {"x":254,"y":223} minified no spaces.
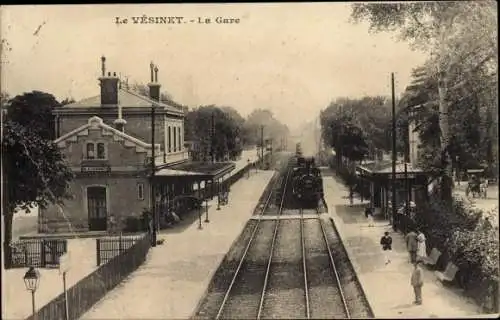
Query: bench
{"x":449,"y":273}
{"x":433,"y":258}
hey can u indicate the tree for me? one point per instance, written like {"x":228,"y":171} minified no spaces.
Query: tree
{"x":274,"y":130}
{"x":67,"y":101}
{"x":218,"y":132}
{"x":470,"y":116}
{"x":165,"y":97}
{"x":450,"y":32}
{"x":34,"y":110}
{"x":35,"y":173}
{"x":355,"y":128}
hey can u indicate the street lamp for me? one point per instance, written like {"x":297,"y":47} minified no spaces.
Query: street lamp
{"x":31,"y":279}
{"x":199,"y":216}
{"x":206,"y":211}
{"x":218,"y":199}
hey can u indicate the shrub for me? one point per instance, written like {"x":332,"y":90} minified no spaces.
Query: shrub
{"x":476,"y":253}
{"x":133,"y":224}
{"x":466,"y":237}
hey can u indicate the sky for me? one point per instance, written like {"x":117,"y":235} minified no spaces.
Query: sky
{"x":291,"y":58}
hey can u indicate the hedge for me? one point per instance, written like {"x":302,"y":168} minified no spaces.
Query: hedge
{"x":465,"y":237}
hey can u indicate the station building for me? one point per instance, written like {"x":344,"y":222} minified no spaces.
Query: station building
{"x":107,"y":140}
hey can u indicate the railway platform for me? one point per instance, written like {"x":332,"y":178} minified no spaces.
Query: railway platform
{"x":177,"y":273}
{"x":387,"y":287}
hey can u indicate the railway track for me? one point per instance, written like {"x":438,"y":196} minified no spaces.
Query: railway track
{"x":292,"y":266}
{"x":241,"y":299}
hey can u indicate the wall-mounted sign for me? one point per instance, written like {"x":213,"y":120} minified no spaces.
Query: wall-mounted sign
{"x":402,"y":176}
{"x":95,"y":169}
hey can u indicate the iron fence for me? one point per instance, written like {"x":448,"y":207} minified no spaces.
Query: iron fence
{"x":108,"y":248}
{"x":40,"y":253}
{"x":86,"y":292}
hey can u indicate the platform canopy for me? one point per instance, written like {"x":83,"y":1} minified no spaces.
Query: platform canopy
{"x":383,"y":169}
{"x":199,"y":170}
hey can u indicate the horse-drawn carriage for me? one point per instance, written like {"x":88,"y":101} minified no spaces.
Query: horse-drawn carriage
{"x":477,"y":184}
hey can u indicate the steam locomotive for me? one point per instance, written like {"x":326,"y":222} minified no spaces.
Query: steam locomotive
{"x":307,"y":183}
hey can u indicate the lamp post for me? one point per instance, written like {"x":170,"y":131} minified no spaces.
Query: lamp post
{"x":31,"y":279}
{"x":199,"y":217}
{"x":206,"y":211}
{"x":218,"y":196}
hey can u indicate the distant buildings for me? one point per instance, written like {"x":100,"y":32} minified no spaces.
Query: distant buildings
{"x":107,"y":141}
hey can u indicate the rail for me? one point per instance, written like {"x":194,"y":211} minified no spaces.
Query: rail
{"x":306,"y":289}
{"x":334,"y":269}
{"x":266,"y":278}
{"x":252,"y":237}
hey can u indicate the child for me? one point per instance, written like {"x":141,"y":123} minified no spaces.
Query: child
{"x":386,"y":242}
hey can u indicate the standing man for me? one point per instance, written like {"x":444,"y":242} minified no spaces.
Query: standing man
{"x":417,"y":281}
{"x":386,"y":242}
{"x":412,"y":245}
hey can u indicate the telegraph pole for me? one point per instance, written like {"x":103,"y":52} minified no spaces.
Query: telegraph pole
{"x":407,"y":182}
{"x":261,"y":144}
{"x":212,"y":126}
{"x":153,"y":168}
{"x":393,"y":154}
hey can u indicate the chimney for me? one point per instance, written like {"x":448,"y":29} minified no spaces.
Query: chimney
{"x":109,"y":86}
{"x":120,"y":122}
{"x":154,"y":86}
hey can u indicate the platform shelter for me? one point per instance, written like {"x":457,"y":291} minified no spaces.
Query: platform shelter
{"x":410,"y":183}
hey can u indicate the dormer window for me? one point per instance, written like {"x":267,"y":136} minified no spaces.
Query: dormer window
{"x":95,"y":150}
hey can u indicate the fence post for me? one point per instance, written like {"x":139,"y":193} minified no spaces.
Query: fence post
{"x":26,"y":256}
{"x":120,"y":247}
{"x":98,"y":251}
{"x":42,"y":253}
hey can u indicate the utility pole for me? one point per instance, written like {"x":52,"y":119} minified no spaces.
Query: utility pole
{"x":212,"y":135}
{"x":153,"y":169}
{"x":407,"y":182}
{"x":261,"y":144}
{"x":393,"y":154}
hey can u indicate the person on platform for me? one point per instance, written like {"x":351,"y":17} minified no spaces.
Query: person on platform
{"x":417,"y":281}
{"x":412,"y":245}
{"x":421,"y":246}
{"x":369,"y":216}
{"x":386,"y":242}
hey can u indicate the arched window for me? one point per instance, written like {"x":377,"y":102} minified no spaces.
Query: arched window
{"x":101,"y":151}
{"x":90,"y":151}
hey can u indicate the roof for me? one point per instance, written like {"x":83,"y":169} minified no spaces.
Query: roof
{"x":170,"y":172}
{"x":382,"y":167}
{"x":126,"y":98}
{"x":206,"y":170}
{"x":97,"y":123}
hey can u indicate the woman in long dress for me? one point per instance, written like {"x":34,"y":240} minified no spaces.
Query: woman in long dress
{"x":421,"y":246}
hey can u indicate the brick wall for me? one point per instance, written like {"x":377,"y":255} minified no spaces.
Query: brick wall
{"x":138,"y":125}
{"x":122,"y":201}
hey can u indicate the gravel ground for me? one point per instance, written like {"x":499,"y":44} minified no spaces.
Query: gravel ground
{"x":243,"y":301}
{"x":265,"y":195}
{"x":221,"y":280}
{"x":285,"y":294}
{"x":324,"y":296}
{"x":353,"y":293}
